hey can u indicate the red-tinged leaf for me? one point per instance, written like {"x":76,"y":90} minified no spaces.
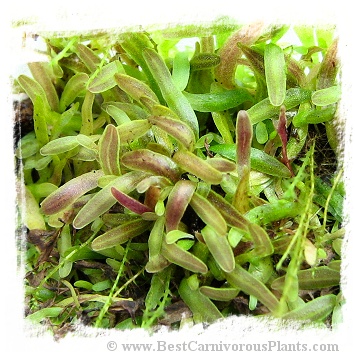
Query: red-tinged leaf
{"x":129,"y":202}
{"x":230,"y":53}
{"x":244,"y":135}
{"x":230,"y":214}
{"x":197,"y":166}
{"x":70,"y":192}
{"x":109,"y":146}
{"x":175,"y":128}
{"x":135,"y":88}
{"x":153,"y":162}
{"x":103,"y":200}
{"x":282,"y":131}
{"x":178,"y":200}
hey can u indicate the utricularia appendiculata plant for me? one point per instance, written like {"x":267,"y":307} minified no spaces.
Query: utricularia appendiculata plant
{"x":164,"y":184}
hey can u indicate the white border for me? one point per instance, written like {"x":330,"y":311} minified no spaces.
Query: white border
{"x":82,"y":16}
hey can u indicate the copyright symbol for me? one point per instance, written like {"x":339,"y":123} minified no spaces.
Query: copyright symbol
{"x":111,"y":345}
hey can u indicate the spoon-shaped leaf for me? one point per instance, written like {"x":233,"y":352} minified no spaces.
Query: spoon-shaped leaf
{"x":208,"y":213}
{"x":70,"y":192}
{"x":183,"y":258}
{"x":129,"y":202}
{"x":275,"y":74}
{"x":178,"y":200}
{"x":109,"y":147}
{"x":103,"y":200}
{"x":172,"y":95}
{"x":219,"y":247}
{"x":150,"y":161}
{"x":202,"y":307}
{"x":197,"y":166}
{"x":120,"y":234}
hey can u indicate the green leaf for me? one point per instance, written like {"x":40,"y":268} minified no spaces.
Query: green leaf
{"x":265,"y":110}
{"x":104,"y":79}
{"x":150,"y":161}
{"x":219,"y":247}
{"x":275,"y":74}
{"x":60,"y":145}
{"x":172,"y":95}
{"x":219,"y":101}
{"x":120,"y":234}
{"x":132,"y":130}
{"x":261,"y":133}
{"x":315,"y":310}
{"x":45,"y":312}
{"x":178,"y":200}
{"x":326,"y":96}
{"x":183,"y":258}
{"x":175,"y":128}
{"x":181,"y":70}
{"x":313,"y":278}
{"x":102,"y":285}
{"x":208,"y":214}
{"x":109,"y":148}
{"x":202,"y":308}
{"x":241,"y":279}
{"x":117,"y":114}
{"x":74,"y":87}
{"x":219,"y":294}
{"x":135,"y":88}
{"x":259,"y":160}
{"x":174,"y":235}
{"x":197,"y":166}
{"x":103,"y":200}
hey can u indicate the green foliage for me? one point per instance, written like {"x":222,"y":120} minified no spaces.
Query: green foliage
{"x":161,"y":183}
